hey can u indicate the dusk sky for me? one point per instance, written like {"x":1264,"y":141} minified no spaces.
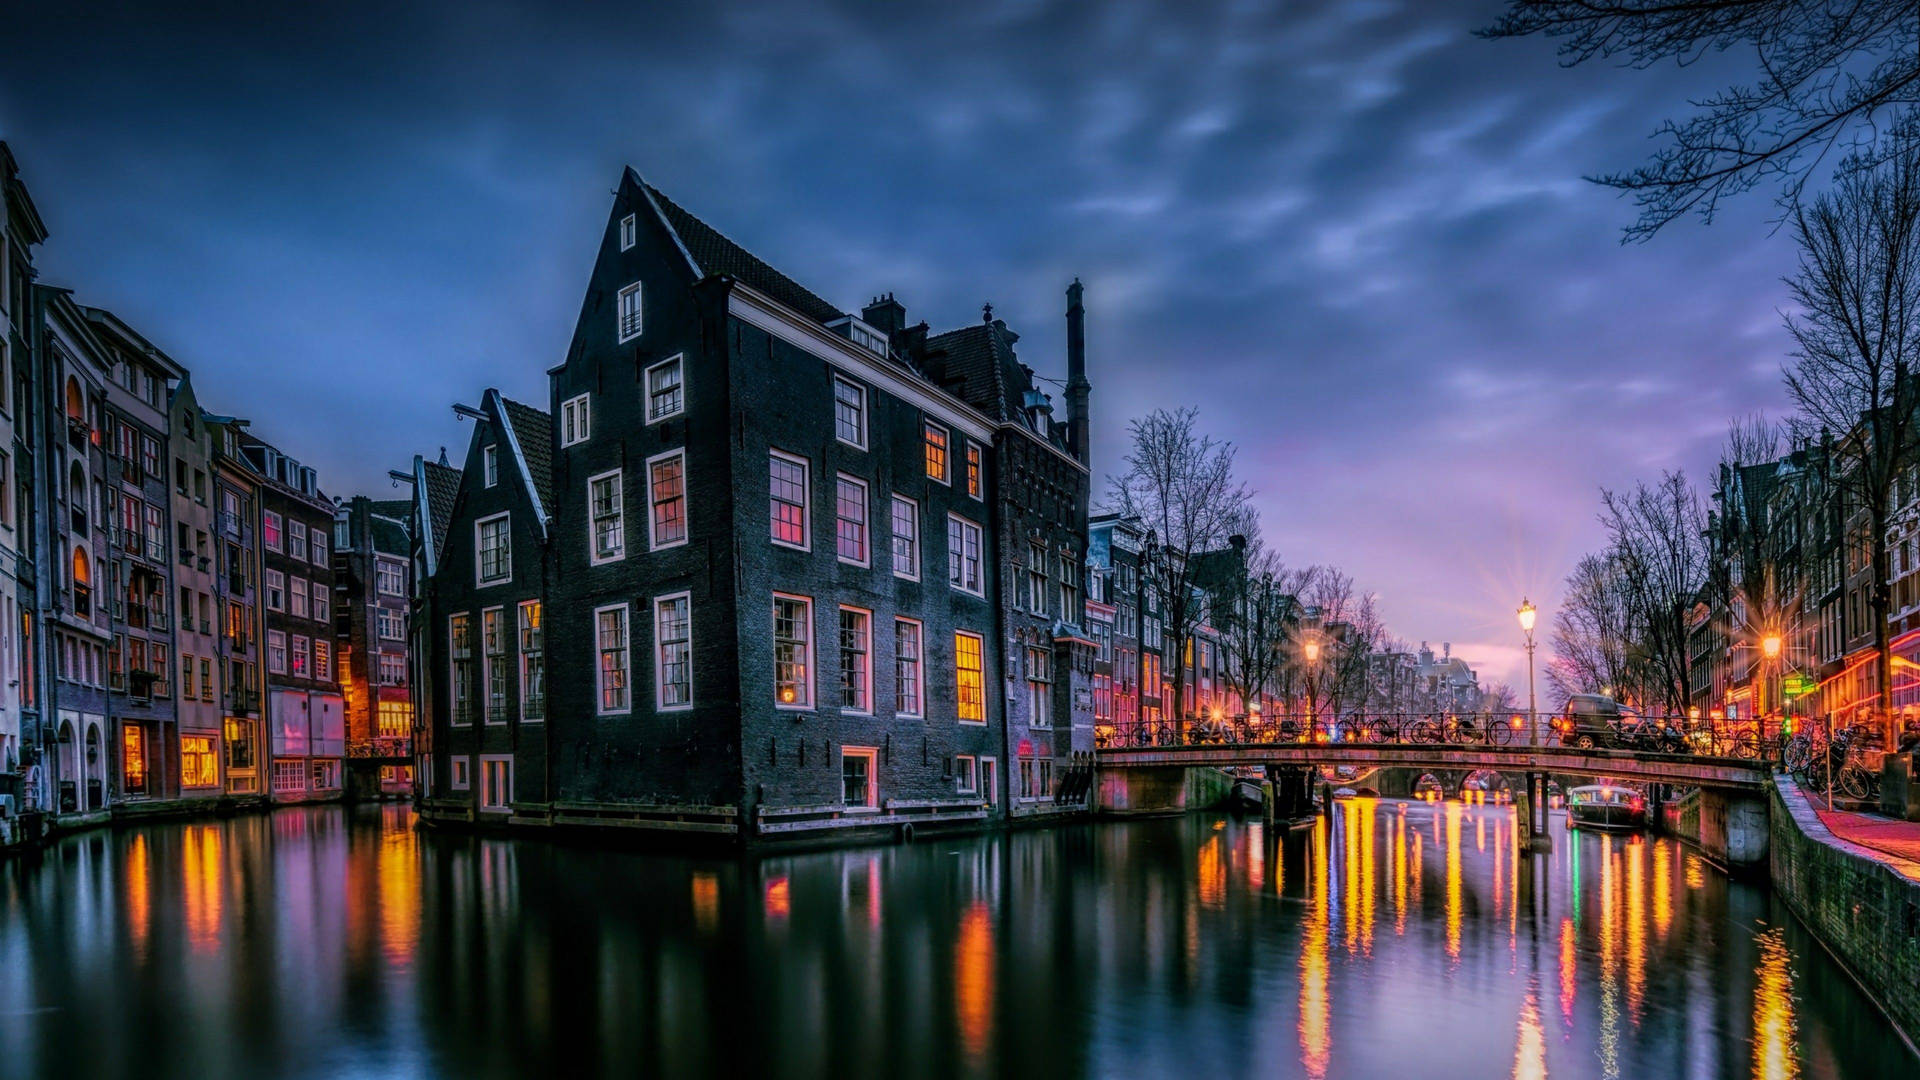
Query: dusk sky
{"x":1353,"y":235}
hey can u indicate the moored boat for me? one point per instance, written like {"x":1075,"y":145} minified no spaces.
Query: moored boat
{"x":1606,"y":806}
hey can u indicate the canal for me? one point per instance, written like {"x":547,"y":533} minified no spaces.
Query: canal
{"x":1400,"y":940}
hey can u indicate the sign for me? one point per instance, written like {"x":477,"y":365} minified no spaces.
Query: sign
{"x":1796,"y":685}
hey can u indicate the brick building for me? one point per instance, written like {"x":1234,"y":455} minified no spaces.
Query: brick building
{"x":372,"y":543}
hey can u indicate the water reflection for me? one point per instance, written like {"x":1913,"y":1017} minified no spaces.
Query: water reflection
{"x":321,"y":943}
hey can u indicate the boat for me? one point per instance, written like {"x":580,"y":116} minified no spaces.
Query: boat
{"x":1249,"y":796}
{"x":1606,"y":806}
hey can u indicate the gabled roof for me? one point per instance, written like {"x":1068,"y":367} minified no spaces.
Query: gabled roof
{"x":713,"y":254}
{"x":533,"y":431}
{"x":440,"y":485}
{"x":974,"y":362}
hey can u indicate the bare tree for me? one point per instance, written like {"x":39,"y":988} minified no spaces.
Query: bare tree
{"x":1593,"y":636}
{"x":1181,"y":487}
{"x":1830,"y":79}
{"x":1742,"y":578}
{"x":1658,"y":537}
{"x":1256,"y":613}
{"x":1499,"y":698}
{"x":1856,"y":334}
{"x":1348,"y":630}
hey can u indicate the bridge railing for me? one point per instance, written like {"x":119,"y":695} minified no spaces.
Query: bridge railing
{"x":1674,"y":735}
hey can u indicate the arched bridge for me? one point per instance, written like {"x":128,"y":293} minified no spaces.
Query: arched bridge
{"x":1683,"y":770}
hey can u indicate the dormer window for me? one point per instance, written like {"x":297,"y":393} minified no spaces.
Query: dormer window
{"x":627,"y":232}
{"x":860,"y":334}
{"x":629,"y":312}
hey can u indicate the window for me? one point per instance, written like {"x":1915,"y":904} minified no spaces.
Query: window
{"x":966,"y":778}
{"x":611,"y":630}
{"x":391,"y":577}
{"x":460,"y":779}
{"x":973,"y":470}
{"x":963,"y":555}
{"x":576,"y":420}
{"x":1040,"y":686}
{"x":490,"y":465}
{"x":395,"y":719}
{"x":936,"y":453}
{"x":496,"y":784}
{"x":318,"y":546}
{"x":606,"y":508}
{"x":298,"y":597}
{"x":1037,"y":579}
{"x":493,"y":649}
{"x":629,"y":312}
{"x":667,"y":488}
{"x":908,"y":693}
{"x":990,"y":780}
{"x":289,"y":776}
{"x":673,"y":651}
{"x":297,"y":539}
{"x":849,"y":412}
{"x":850,"y":514}
{"x":664,"y":394}
{"x":906,"y":538}
{"x":970,"y":677}
{"x":858,"y":785}
{"x":323,"y":659}
{"x":391,"y":624}
{"x":206,"y":679}
{"x":792,"y":652}
{"x":787,"y":476}
{"x":277,"y":651}
{"x":533,"y":663}
{"x":392,"y":669}
{"x":856,"y":660}
{"x":460,"y":635}
{"x":186,"y":675}
{"x":197,"y":765}
{"x":627,"y":232}
{"x":1070,"y":608}
{"x":301,"y":657}
{"x":270,"y":530}
{"x":495,"y":562}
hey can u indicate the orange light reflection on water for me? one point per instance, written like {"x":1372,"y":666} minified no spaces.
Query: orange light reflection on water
{"x":1775,"y":1053}
{"x":1315,"y":1007}
{"x":973,"y":981}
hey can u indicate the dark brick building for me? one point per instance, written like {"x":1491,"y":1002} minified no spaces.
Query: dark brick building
{"x":372,"y":542}
{"x":767,"y":540}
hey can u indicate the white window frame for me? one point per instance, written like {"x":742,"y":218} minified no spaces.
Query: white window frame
{"x":866,"y":519}
{"x":806,"y":502}
{"x":576,"y":420}
{"x":919,"y":709}
{"x":654,"y":543}
{"x":946,"y":453}
{"x":859,"y":389}
{"x":276,"y":581}
{"x":620,"y":321}
{"x":487,"y":657}
{"x":520,"y":627}
{"x":969,"y":451}
{"x":660,"y":657}
{"x":594,"y":555}
{"x":629,"y":232}
{"x":322,"y":602}
{"x":872,"y":754}
{"x":911,"y":572}
{"x":490,"y":465}
{"x":866,"y":660}
{"x":966,"y":774}
{"x":462,"y":773}
{"x":979,"y":640}
{"x":505,"y":761}
{"x":677,"y":360}
{"x":479,"y":563}
{"x":812,"y":655}
{"x":980,"y":535}
{"x":282,"y":648}
{"x":599,"y":669}
{"x":990,"y":780}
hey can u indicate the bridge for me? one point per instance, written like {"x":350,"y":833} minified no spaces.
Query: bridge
{"x":1145,"y":772}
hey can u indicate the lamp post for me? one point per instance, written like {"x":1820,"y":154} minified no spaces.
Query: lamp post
{"x":1312,"y":648}
{"x":1770,"y":649}
{"x":1527,"y":614}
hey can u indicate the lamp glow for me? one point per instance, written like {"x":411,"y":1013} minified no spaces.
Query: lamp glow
{"x":1527,"y":614}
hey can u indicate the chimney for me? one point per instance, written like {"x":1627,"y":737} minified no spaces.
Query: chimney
{"x":1077,"y":385}
{"x":885,"y":314}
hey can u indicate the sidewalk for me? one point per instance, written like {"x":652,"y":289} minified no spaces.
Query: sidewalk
{"x":1898,"y":839}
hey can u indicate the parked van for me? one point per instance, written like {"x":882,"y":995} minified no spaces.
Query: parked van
{"x":1591,"y":720}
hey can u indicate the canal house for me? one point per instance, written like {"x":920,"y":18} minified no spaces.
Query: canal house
{"x":746,"y":576}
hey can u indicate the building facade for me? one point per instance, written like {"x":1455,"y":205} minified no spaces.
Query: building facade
{"x":22,"y":771}
{"x":372,"y":545}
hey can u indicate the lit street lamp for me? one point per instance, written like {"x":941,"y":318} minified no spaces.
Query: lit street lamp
{"x":1527,"y":614}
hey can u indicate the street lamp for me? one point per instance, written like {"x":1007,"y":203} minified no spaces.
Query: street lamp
{"x":1770,"y":649}
{"x":1312,"y":649}
{"x":1527,"y":615}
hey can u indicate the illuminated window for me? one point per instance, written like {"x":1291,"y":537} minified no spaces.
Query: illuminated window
{"x":970,"y":677}
{"x":533,"y":662}
{"x":395,"y":719}
{"x":133,"y":760}
{"x":792,"y":652}
{"x":973,"y":470}
{"x":323,"y":659}
{"x":850,"y":525}
{"x":856,"y":660}
{"x":908,"y":682}
{"x":198,"y":766}
{"x":301,"y":657}
{"x":493,"y":649}
{"x":667,"y":476}
{"x":270,"y":530}
{"x":936,"y":453}
{"x":787,"y":482}
{"x":906,"y":538}
{"x":673,"y":648}
{"x":611,"y":630}
{"x":606,"y":507}
{"x":665,"y":396}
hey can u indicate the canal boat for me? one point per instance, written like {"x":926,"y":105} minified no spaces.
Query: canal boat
{"x":1606,"y":806}
{"x":1249,"y":796}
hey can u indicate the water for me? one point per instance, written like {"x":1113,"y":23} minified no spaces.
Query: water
{"x":323,"y":942}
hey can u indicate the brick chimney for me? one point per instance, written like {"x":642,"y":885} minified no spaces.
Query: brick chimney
{"x":1078,"y":436}
{"x":885,"y":314}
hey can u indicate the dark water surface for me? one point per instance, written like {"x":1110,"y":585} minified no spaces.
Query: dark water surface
{"x":326,"y":942}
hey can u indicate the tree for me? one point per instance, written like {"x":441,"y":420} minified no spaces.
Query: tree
{"x":1348,"y":628}
{"x":1658,"y":536}
{"x":1593,"y":632}
{"x":1181,"y":487}
{"x":1856,"y":332}
{"x":1257,"y":614}
{"x":1830,"y":79}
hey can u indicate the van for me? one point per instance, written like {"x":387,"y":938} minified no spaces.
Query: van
{"x":1591,"y":720}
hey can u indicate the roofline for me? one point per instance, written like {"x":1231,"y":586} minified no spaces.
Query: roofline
{"x":422,"y":506}
{"x":119,"y":326}
{"x":499,"y":405}
{"x":760,"y":310}
{"x":23,"y":198}
{"x":653,"y":204}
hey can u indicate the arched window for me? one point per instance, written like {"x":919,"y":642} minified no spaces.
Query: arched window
{"x":76,"y":401}
{"x":82,"y":584}
{"x":77,"y":497}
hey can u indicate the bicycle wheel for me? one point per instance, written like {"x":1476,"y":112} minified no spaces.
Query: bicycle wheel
{"x":1425,"y":731}
{"x":1853,"y":782}
{"x":1499,"y":734}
